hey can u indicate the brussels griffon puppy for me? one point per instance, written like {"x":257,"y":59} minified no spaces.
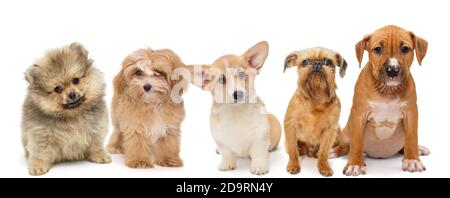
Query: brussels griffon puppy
{"x":64,"y":114}
{"x":311,"y":121}
{"x":147,"y":110}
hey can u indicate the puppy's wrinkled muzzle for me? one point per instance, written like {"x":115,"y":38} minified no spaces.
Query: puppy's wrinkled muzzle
{"x":317,"y":66}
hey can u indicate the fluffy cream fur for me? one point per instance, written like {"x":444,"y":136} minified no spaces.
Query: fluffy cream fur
{"x":56,"y":128}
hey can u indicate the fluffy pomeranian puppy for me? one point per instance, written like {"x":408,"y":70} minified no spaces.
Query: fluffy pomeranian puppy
{"x":147,"y":110}
{"x":64,"y":115}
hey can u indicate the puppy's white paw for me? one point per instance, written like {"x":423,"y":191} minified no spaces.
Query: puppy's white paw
{"x":226,"y":166}
{"x":354,"y":170}
{"x":36,"y":171}
{"x":259,"y":169}
{"x":413,"y":166}
{"x":423,"y":150}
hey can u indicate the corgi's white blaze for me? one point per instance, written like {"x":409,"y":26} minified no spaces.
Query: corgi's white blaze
{"x":387,"y":115}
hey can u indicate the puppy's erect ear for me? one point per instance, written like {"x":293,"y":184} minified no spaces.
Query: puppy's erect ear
{"x":79,"y":49}
{"x":420,"y":47}
{"x":360,"y":47}
{"x":256,"y":55}
{"x":30,"y":74}
{"x":82,"y":53}
{"x":200,"y":76}
{"x":342,"y":64}
{"x":290,"y":60}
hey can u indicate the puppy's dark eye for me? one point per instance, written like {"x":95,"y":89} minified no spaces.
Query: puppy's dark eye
{"x":305,"y":63}
{"x":222,"y":80}
{"x":378,"y":50}
{"x":241,"y":74}
{"x":75,"y":81}
{"x":138,"y":72}
{"x":328,"y":62}
{"x":58,"y":89}
{"x":405,"y":49}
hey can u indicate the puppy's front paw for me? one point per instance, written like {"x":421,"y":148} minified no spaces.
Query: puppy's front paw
{"x":354,"y":170}
{"x":293,"y":167}
{"x":139,"y":164}
{"x":100,"y":157}
{"x":38,"y":166}
{"x":171,"y":162}
{"x":326,"y":171}
{"x":413,"y":166}
{"x":259,"y":169}
{"x":226,"y":166}
{"x":38,"y":170}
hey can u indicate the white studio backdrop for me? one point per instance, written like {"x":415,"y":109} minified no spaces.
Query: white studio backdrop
{"x":200,"y":31}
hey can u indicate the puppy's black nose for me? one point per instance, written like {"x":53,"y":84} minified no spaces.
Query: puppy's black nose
{"x":147,"y":87}
{"x":238,"y":95}
{"x":392,"y":71}
{"x":317,"y":66}
{"x":73,"y":96}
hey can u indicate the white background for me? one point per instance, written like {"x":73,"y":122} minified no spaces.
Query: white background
{"x":201,"y":31}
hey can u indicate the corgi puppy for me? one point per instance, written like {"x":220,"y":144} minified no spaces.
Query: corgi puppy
{"x":239,"y":122}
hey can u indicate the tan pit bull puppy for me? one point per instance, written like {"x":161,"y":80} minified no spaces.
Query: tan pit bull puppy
{"x":383,"y":119}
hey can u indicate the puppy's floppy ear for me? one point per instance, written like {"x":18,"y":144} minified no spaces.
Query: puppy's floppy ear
{"x":176,"y":63}
{"x":30,"y":74}
{"x":82,"y":53}
{"x":178,"y":74}
{"x":420,"y":47}
{"x":360,"y":47}
{"x":342,"y":64}
{"x":119,"y":80}
{"x":200,"y":76}
{"x":290,"y":60}
{"x":256,"y":55}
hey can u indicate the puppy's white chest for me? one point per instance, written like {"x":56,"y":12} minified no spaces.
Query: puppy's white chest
{"x":386,"y":116}
{"x":238,"y":127}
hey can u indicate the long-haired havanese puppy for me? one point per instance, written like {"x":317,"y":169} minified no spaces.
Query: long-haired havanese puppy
{"x":64,"y":114}
{"x":147,"y":111}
